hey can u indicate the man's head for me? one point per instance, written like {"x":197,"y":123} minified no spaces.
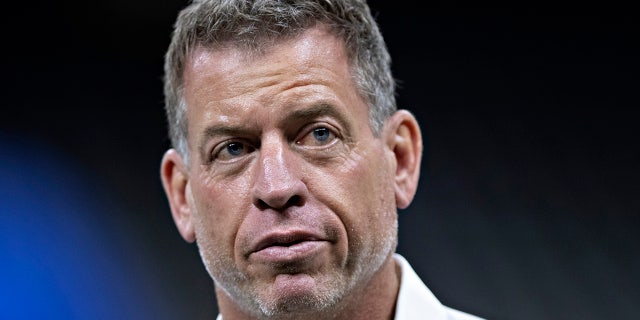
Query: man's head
{"x":256,"y":25}
{"x":297,"y":160}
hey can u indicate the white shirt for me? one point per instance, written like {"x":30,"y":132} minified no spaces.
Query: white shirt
{"x":415,"y":300}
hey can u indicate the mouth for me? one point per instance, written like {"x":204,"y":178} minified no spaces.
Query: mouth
{"x":287,"y":247}
{"x":283,"y":240}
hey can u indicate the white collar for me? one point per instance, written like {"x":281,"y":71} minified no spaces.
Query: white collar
{"x":415,"y":300}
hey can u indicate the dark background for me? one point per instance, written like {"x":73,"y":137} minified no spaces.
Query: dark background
{"x":528,"y":203}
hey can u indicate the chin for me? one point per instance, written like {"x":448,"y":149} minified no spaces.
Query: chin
{"x":297,"y":295}
{"x":296,"y":306}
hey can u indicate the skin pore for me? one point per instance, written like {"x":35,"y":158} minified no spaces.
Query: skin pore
{"x":290,"y":197}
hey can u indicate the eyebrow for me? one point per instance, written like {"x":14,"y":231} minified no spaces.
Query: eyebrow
{"x":222,"y":130}
{"x":316,"y":111}
{"x":312,"y":112}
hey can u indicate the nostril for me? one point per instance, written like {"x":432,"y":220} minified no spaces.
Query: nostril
{"x":262,"y":205}
{"x":294,"y":201}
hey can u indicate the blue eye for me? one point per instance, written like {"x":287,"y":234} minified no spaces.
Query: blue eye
{"x":321,"y":134}
{"x":317,"y":137}
{"x":235,"y":148}
{"x":231,"y":150}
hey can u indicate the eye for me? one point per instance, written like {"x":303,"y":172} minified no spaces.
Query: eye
{"x":231,"y":150}
{"x":318,"y":136}
{"x":235,"y":148}
{"x":321,"y":134}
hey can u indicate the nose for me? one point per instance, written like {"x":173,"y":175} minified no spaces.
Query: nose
{"x":277,"y":183}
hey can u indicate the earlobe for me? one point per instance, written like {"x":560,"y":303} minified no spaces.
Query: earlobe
{"x":175,"y":181}
{"x":405,"y":140}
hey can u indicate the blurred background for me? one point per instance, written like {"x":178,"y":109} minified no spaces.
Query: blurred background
{"x":529,"y":198}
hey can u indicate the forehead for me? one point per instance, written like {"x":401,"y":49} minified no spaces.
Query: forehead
{"x":230,"y":81}
{"x":318,"y":41}
{"x":299,"y":56}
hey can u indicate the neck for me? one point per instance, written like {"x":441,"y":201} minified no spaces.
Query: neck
{"x":377,"y":299}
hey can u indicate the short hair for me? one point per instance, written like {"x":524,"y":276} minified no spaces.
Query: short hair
{"x":255,"y":24}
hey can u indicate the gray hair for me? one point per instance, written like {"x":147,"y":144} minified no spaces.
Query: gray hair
{"x":255,"y":24}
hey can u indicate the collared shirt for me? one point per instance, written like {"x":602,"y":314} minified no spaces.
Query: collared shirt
{"x":415,"y":300}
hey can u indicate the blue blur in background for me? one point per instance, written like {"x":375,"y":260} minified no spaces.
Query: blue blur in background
{"x":61,"y":256}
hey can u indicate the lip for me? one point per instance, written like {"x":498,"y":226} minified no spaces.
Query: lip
{"x":287,"y":246}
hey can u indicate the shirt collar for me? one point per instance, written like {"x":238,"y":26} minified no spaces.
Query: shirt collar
{"x":415,"y":300}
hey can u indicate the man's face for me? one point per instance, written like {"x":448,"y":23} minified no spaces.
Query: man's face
{"x":290,"y":193}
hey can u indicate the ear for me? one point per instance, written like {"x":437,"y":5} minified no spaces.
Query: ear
{"x":405,"y":141}
{"x":175,"y":180}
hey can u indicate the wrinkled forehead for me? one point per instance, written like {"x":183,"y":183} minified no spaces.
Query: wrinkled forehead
{"x":302,"y":57}
{"x":256,"y":45}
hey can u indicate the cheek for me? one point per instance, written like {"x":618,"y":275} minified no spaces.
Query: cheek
{"x":370,"y":177}
{"x":362,"y":193}
{"x":219,"y":209}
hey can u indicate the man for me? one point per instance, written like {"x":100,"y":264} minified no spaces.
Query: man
{"x":290,"y":160}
